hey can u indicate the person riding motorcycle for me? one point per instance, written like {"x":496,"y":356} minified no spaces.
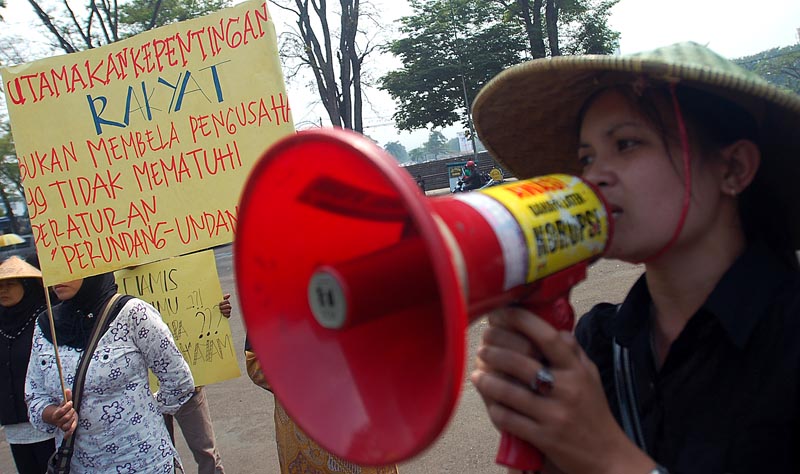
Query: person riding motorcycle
{"x":472,"y":178}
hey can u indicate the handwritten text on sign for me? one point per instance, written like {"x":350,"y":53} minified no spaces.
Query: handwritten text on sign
{"x":186,"y":291}
{"x":137,"y":151}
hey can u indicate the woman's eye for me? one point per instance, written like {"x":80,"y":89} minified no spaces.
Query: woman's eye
{"x":585,"y":160}
{"x":625,"y":144}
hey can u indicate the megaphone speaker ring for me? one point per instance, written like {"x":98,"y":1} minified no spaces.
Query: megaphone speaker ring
{"x":349,"y":296}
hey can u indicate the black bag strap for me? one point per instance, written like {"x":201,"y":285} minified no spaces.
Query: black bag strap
{"x":626,"y":394}
{"x":100,"y":328}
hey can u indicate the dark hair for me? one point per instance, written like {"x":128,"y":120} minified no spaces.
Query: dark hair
{"x":712,"y":123}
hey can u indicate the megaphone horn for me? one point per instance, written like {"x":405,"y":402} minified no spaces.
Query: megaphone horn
{"x":356,"y":289}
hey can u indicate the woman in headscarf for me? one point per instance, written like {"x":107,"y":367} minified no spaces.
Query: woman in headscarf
{"x":119,"y":424}
{"x":21,"y":299}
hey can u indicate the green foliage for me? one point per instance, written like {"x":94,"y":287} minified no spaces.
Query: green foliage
{"x":453,"y":145}
{"x":584,"y":29}
{"x":559,"y":27}
{"x":418,"y":155}
{"x":397,"y":150}
{"x":436,"y":144}
{"x":138,"y":14}
{"x":450,"y":49}
{"x":780,"y":66}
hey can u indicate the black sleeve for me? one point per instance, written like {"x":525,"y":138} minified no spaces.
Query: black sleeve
{"x":593,"y":327}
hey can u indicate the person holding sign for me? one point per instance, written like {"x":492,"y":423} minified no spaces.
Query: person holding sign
{"x":696,"y":371}
{"x":21,"y":300}
{"x":194,"y":419}
{"x":119,"y":427}
{"x":177,"y":287}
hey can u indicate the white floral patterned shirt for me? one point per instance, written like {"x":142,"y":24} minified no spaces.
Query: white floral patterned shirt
{"x":120,"y":429}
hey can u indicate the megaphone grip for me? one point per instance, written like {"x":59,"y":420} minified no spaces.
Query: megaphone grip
{"x":517,"y":454}
{"x":550,"y":301}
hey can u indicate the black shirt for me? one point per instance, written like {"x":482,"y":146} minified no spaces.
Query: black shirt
{"x":15,"y":351}
{"x":726,"y":398}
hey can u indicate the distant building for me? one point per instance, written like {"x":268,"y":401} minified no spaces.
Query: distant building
{"x":464,"y":145}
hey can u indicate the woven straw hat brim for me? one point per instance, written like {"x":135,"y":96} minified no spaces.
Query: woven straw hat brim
{"x":15,"y":267}
{"x":527,"y":115}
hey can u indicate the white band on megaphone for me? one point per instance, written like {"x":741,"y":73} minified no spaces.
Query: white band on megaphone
{"x":508,"y":233}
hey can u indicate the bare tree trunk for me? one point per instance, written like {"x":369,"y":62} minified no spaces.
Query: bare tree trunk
{"x":350,"y":68}
{"x":345,"y":71}
{"x":358,"y":123}
{"x":551,"y":17}
{"x":341,"y":96}
{"x":319,"y":56}
{"x":156,"y":9}
{"x":532,"y":17}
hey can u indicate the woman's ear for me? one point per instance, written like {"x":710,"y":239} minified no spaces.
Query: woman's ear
{"x":741,"y":160}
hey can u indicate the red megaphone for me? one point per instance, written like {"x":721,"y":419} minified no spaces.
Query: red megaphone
{"x":356,"y":289}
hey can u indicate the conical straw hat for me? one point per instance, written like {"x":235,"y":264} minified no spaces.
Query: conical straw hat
{"x":527,"y":116}
{"x":15,"y":267}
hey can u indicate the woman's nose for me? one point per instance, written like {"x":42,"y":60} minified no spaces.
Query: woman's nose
{"x":599,"y":173}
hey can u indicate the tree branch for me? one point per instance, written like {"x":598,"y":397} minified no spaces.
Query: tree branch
{"x":86,"y":38}
{"x":95,"y":11}
{"x":48,"y":23}
{"x":156,"y":9}
{"x":284,"y":7}
{"x":110,"y":30}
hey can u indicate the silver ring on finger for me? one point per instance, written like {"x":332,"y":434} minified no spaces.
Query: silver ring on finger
{"x":543,"y":383}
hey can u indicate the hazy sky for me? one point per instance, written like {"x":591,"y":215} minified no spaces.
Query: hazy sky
{"x":733,"y":28}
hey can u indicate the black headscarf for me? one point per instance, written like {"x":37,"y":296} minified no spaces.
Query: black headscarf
{"x":13,"y":318}
{"x":75,"y":317}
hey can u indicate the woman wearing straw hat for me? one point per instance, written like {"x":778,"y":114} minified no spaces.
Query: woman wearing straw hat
{"x":698,"y":369}
{"x":120,"y":428}
{"x":21,"y":299}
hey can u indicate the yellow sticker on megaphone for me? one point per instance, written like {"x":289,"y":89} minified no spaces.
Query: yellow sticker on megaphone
{"x":562,"y":218}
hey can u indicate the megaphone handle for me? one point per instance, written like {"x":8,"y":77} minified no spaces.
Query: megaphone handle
{"x":514,"y":452}
{"x":518,"y":454}
{"x":550,"y":302}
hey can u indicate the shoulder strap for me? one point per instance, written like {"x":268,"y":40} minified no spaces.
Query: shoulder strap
{"x":98,"y":331}
{"x":626,"y":394}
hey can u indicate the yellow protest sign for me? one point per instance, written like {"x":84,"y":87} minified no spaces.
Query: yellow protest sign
{"x":138,"y":150}
{"x":186,"y":291}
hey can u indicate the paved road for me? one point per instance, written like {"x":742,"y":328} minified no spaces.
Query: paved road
{"x":242,"y":412}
